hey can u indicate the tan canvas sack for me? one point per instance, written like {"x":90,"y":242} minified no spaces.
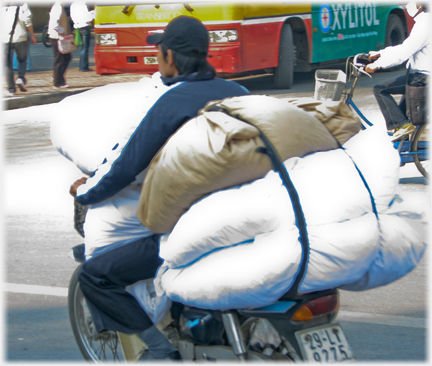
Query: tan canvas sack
{"x":215,"y":151}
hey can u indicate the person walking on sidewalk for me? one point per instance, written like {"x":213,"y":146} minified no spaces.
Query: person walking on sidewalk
{"x":82,"y":19}
{"x":16,"y":20}
{"x":58,"y":26}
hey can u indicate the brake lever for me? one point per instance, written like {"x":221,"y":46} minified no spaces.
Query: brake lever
{"x":359,"y":66}
{"x":361,"y":69}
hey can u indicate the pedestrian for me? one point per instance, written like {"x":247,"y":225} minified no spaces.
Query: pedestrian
{"x":415,"y":49}
{"x":16,"y":21}
{"x":82,"y":20}
{"x":58,"y":26}
{"x":15,"y":59}
{"x":182,"y":59}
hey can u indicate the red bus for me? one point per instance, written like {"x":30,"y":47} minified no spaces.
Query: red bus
{"x":248,"y":38}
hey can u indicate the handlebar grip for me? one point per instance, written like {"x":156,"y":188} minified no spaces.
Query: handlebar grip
{"x":363,"y":58}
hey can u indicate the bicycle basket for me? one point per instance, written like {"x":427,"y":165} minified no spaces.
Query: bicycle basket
{"x":329,"y":84}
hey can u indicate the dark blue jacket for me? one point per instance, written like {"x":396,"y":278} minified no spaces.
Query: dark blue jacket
{"x":178,"y":105}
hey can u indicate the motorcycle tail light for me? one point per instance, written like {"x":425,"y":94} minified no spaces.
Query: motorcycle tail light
{"x":317,"y":307}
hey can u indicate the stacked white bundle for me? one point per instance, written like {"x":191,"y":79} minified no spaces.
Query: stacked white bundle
{"x":239,"y":247}
{"x":88,"y":125}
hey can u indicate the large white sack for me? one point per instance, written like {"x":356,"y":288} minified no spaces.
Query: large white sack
{"x":258,"y":272}
{"x":214,"y":269}
{"x":241,"y":276}
{"x":404,"y":230}
{"x":325,"y":182}
{"x":226,"y":218}
{"x":86,"y":126}
{"x":328,"y":184}
{"x":113,"y":222}
{"x":378,"y":161}
{"x":252,"y":274}
{"x":340,"y":252}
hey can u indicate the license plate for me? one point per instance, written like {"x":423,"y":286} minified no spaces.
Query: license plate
{"x":150,"y":60}
{"x":324,"y":344}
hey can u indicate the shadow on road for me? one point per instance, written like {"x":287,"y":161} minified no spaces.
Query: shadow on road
{"x":40,"y":333}
{"x":414,"y":180}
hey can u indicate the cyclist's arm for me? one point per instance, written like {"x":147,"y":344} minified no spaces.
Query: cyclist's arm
{"x":395,"y":55}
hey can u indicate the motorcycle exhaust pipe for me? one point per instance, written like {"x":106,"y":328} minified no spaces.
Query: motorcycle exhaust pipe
{"x":234,"y":334}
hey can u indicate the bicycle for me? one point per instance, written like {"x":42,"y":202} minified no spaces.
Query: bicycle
{"x":413,"y":148}
{"x":45,"y":37}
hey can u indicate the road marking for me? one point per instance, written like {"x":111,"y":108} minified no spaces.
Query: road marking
{"x":396,"y":320}
{"x":35,"y":290}
{"x":348,"y":316}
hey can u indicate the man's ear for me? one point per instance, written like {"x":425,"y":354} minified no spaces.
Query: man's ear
{"x":171,"y":64}
{"x":170,"y":58}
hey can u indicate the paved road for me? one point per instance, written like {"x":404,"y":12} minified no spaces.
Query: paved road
{"x":383,"y":324}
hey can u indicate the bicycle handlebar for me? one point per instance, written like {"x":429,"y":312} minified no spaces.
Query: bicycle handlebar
{"x":364,"y":56}
{"x":359,"y":65}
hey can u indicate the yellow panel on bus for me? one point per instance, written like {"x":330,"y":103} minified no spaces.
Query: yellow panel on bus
{"x":264,"y":9}
{"x":163,"y":13}
{"x":205,"y":11}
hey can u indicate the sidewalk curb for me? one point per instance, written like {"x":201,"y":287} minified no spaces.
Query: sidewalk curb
{"x":33,"y":100}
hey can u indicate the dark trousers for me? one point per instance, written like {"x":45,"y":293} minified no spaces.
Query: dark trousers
{"x":394,"y":113}
{"x":20,"y":48}
{"x":84,"y":55}
{"x":103,"y":280}
{"x":61,"y":63}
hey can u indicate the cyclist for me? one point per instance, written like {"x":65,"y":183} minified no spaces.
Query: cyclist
{"x":415,"y":49}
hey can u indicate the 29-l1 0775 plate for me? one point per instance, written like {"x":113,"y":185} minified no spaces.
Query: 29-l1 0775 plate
{"x":324,"y":344}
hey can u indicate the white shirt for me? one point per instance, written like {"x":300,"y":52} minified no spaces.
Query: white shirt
{"x":80,"y":14}
{"x":55,"y":15}
{"x":416,"y":48}
{"x":7,"y":20}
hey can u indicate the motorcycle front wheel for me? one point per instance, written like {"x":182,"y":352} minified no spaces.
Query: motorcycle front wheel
{"x":94,"y":346}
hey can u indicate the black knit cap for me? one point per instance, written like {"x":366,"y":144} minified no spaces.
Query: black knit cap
{"x":185,"y":35}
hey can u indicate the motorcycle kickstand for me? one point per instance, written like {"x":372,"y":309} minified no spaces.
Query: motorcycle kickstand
{"x":234,"y":334}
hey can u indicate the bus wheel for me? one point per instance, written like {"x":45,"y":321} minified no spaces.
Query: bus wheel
{"x":395,"y":32}
{"x":284,"y":72}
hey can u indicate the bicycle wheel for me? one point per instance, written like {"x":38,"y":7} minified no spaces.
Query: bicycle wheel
{"x":420,"y":148}
{"x":45,"y":37}
{"x":94,"y":346}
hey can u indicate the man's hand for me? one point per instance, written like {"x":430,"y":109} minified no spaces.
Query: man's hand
{"x":74,"y":187}
{"x":373,"y":55}
{"x":371,"y":69}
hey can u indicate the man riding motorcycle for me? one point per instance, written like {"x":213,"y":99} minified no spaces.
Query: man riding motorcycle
{"x":182,"y":53}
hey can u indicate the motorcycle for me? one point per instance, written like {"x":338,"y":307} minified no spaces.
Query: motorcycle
{"x":297,"y":328}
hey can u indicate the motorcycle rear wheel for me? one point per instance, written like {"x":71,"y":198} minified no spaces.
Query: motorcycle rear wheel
{"x":94,"y":346}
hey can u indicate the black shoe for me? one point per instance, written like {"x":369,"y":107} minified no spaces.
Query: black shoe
{"x":173,"y":356}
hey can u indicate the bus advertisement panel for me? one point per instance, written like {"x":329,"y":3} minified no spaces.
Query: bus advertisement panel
{"x":248,"y":38}
{"x":339,"y":27}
